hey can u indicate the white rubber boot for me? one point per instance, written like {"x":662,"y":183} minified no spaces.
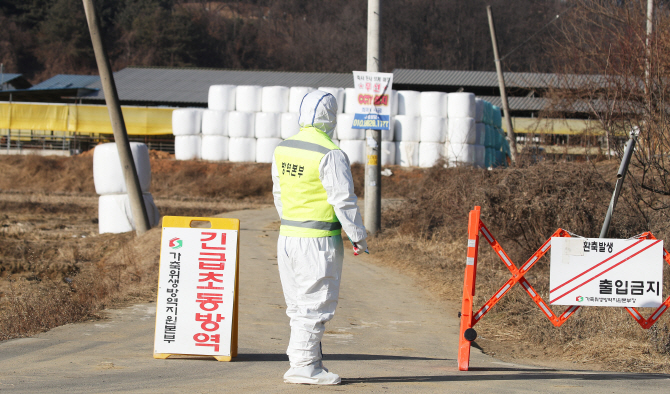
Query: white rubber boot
{"x":311,"y":374}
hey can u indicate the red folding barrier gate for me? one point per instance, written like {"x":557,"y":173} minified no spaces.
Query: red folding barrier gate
{"x":468,"y":319}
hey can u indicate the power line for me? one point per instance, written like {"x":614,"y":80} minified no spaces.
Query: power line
{"x":537,"y":32}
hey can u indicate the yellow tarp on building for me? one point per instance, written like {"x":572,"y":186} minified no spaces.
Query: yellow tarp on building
{"x":33,"y":116}
{"x":94,"y":119}
{"x":84,"y":119}
{"x":555,"y":126}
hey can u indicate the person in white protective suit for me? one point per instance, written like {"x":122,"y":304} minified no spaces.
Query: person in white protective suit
{"x":314,"y":194}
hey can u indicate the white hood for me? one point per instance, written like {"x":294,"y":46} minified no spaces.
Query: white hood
{"x":319,"y":109}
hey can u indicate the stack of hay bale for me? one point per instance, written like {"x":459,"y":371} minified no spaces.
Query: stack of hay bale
{"x":215,"y":137}
{"x":187,"y":127}
{"x":246,"y":123}
{"x":434,"y":127}
{"x":407,"y":128}
{"x":496,"y":145}
{"x":114,"y":213}
{"x":462,"y":146}
{"x":241,"y":124}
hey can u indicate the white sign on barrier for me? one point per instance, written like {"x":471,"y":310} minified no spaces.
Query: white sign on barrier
{"x":606,"y":272}
{"x":196,"y":288}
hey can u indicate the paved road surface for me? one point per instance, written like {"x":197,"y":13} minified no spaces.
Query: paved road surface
{"x":387,"y":336}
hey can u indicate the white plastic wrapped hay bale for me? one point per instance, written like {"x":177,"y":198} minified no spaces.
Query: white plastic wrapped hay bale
{"x":350,"y":101}
{"x":388,"y":153}
{"x":355,"y":150}
{"x":394,"y":102}
{"x":214,"y":122}
{"x":295,"y":96}
{"x":480,"y":156}
{"x":460,"y":154}
{"x":188,"y":147}
{"x":433,"y":104}
{"x":462,"y":131}
{"x":265,"y":148}
{"x":461,"y":105}
{"x":248,"y":98}
{"x":409,"y":103}
{"x":215,"y":147}
{"x":108,"y":173}
{"x":267,"y":125}
{"x":336,"y":142}
{"x":407,"y":128}
{"x":344,"y":129}
{"x":115,"y":215}
{"x":242,"y":149}
{"x":430,"y":153}
{"x":433,"y":129}
{"x":339,"y":97}
{"x":274,"y":99}
{"x":289,"y":125}
{"x":407,"y":153}
{"x":186,"y":121}
{"x":479,"y":110}
{"x":221,"y":97}
{"x":241,"y":124}
{"x":388,"y":135}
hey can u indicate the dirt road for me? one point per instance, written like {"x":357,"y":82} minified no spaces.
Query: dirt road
{"x":388,"y":335}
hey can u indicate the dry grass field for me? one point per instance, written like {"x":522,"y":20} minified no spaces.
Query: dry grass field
{"x":56,"y":269}
{"x":522,"y":208}
{"x":54,"y":266}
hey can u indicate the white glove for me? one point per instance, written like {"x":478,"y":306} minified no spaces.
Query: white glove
{"x":360,"y":247}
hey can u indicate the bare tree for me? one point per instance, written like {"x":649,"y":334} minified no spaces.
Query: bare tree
{"x":603,"y":56}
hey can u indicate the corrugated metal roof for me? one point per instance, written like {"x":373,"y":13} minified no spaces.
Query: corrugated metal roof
{"x":539,"y":104}
{"x":67,"y":81}
{"x":489,"y":79}
{"x":519,"y":103}
{"x":5,"y":77}
{"x":192,"y":85}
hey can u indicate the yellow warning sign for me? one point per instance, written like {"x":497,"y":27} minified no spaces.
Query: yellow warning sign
{"x":372,"y":160}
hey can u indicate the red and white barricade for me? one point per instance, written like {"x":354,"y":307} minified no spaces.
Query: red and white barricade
{"x":469,"y":318}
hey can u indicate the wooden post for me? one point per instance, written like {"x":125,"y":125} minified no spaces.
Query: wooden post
{"x":137,"y":206}
{"x":501,"y":83}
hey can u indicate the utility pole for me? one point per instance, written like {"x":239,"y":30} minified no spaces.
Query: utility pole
{"x":373,"y":187}
{"x":620,"y":177}
{"x":511,"y":139}
{"x":650,"y":29}
{"x":630,"y":145}
{"x":137,"y":206}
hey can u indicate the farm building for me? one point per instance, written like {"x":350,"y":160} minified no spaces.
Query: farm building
{"x":67,"y":112}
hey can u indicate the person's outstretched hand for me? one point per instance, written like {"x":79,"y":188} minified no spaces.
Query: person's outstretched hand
{"x":360,"y":247}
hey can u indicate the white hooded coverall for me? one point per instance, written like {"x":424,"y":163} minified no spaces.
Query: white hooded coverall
{"x":311,"y":268}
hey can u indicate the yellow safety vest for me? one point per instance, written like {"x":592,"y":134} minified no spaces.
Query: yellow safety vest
{"x":305,"y":209}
